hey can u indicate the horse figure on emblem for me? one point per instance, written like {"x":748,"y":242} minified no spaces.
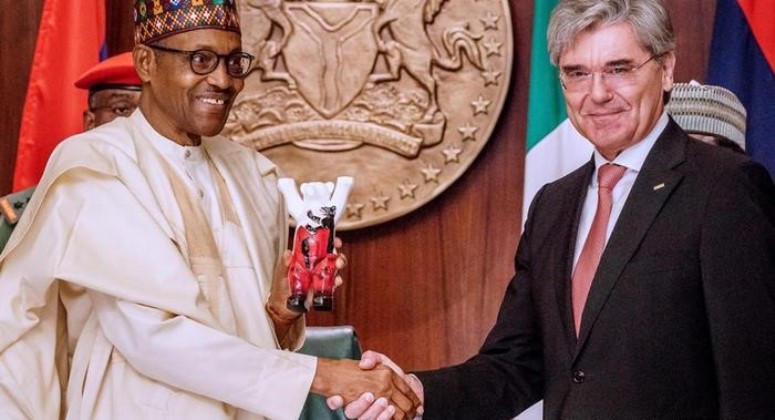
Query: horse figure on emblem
{"x":413,"y":49}
{"x":263,"y":16}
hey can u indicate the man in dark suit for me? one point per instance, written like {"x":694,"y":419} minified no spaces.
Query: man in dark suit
{"x":645,"y":280}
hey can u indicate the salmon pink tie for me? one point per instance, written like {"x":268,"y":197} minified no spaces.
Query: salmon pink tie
{"x":608,"y":175}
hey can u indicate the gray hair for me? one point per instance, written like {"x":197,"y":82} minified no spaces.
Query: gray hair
{"x":649,"y":20}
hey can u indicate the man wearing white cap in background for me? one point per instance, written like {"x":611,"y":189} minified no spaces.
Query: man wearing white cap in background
{"x":644,"y":283}
{"x":709,"y":113}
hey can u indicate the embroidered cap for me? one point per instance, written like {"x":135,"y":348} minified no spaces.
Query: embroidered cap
{"x":708,"y":109}
{"x":156,"y":19}
{"x":114,"y":72}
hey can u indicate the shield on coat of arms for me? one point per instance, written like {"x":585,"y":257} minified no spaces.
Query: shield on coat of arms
{"x":338,"y":40}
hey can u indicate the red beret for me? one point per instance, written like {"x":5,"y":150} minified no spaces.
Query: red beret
{"x":118,"y":70}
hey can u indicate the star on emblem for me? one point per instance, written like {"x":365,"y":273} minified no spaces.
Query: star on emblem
{"x":490,"y":20}
{"x":431,"y":173}
{"x":492,"y":47}
{"x":406,"y":189}
{"x":451,"y":154}
{"x":480,"y":105}
{"x":491,"y":77}
{"x":355,"y":210}
{"x":379,"y":201}
{"x":467,"y":131}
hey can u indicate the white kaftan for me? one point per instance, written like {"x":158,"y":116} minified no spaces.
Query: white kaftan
{"x":104,"y":236}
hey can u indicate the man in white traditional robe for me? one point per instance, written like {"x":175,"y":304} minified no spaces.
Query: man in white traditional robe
{"x":145,"y":278}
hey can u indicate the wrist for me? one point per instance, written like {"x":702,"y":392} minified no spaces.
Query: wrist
{"x":416,"y":385}
{"x":280,"y":314}
{"x":321,"y":383}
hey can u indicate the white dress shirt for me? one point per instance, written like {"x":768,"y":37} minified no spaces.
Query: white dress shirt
{"x":632,"y":158}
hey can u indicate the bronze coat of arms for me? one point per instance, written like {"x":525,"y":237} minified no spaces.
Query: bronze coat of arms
{"x":400,"y":94}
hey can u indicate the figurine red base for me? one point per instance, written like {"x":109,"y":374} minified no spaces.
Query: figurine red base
{"x":313,"y":264}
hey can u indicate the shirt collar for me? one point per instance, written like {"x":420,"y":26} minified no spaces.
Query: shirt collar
{"x":174,"y":152}
{"x":633,"y":157}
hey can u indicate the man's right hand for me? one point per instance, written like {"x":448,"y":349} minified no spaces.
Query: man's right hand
{"x":348,"y":381}
{"x":366,"y":407}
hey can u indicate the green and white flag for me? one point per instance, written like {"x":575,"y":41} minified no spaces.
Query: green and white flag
{"x":554,"y":147}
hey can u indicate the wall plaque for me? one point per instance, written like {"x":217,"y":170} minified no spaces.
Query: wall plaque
{"x":402,"y":95}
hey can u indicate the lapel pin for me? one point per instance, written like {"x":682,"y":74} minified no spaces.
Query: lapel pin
{"x":659,"y":187}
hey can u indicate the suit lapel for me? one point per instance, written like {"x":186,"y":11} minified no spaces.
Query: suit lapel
{"x":652,"y":187}
{"x":573,"y":194}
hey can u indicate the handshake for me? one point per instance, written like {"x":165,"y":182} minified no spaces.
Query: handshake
{"x":373,"y":389}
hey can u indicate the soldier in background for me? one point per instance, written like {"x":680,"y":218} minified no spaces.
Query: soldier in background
{"x":167,"y":242}
{"x":114,"y":91}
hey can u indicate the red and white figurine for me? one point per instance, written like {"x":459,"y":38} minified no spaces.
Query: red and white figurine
{"x":313,"y":260}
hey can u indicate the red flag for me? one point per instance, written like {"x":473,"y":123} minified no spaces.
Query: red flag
{"x":70,"y":37}
{"x":742,"y":59}
{"x":761,"y":16}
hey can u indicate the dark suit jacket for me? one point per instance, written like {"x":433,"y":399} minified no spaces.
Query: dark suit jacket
{"x":680,"y":320}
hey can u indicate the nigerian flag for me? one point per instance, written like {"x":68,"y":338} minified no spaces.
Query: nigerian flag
{"x":554,"y":147}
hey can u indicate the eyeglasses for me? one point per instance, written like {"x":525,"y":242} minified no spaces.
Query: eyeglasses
{"x":121,"y":109}
{"x":615,"y":76}
{"x":205,"y":61}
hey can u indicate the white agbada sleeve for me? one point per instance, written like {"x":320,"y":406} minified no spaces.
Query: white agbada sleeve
{"x":180,"y":352}
{"x":147,"y":302}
